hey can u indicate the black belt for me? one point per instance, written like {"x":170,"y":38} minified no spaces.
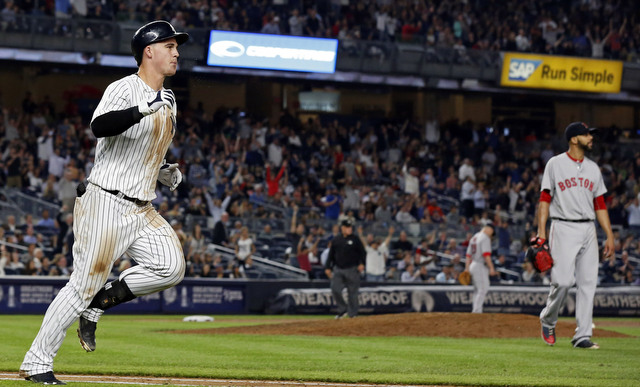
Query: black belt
{"x":574,"y":220}
{"x":137,"y":202}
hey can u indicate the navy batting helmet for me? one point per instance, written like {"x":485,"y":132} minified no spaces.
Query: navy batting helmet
{"x":153,"y":32}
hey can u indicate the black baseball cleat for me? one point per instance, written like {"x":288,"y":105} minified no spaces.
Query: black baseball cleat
{"x":586,"y":344}
{"x":87,"y":334}
{"x":46,"y":378}
{"x":342,"y":315}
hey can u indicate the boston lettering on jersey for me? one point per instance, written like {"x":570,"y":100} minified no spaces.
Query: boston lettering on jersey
{"x":575,"y":182}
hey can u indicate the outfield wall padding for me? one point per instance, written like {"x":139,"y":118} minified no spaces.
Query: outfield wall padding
{"x":29,"y":295}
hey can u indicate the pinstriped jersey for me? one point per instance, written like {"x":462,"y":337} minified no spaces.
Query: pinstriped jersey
{"x":130,"y":161}
{"x":479,"y":246}
{"x":573,"y":185}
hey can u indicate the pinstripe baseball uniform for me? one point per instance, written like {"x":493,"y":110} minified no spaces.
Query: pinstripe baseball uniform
{"x":115,"y":216}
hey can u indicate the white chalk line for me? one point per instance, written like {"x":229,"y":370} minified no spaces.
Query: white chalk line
{"x":163,"y":381}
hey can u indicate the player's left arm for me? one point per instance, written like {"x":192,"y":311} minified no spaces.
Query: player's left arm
{"x":602,"y":214}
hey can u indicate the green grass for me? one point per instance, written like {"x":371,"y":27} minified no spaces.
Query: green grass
{"x":140,"y":345}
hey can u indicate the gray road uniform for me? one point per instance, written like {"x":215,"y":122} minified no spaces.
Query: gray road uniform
{"x":573,"y":185}
{"x":479,"y":250}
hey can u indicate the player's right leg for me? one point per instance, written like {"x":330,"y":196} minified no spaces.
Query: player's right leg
{"x":98,"y":240}
{"x":564,"y":244}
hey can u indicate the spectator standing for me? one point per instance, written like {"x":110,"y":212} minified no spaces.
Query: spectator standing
{"x":314,"y":25}
{"x":377,"y":254}
{"x":466,"y":170}
{"x":597,"y":44}
{"x":57,"y":163}
{"x":307,"y":253}
{"x":274,"y":152}
{"x":14,"y":165}
{"x":332,"y":202}
{"x":244,"y":246}
{"x":344,"y":266}
{"x":466,"y":197}
{"x":522,"y":41}
{"x":45,"y":145}
{"x":633,"y":215}
{"x":220,"y":232}
{"x":272,"y":27}
{"x":549,"y":30}
{"x":411,"y":180}
{"x":273,"y":182}
{"x":296,"y":23}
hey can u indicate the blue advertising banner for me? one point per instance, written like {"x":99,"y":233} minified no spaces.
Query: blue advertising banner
{"x":272,"y":52}
{"x":617,"y":301}
{"x":28,"y":295}
{"x":25,"y":295}
{"x":204,"y":298}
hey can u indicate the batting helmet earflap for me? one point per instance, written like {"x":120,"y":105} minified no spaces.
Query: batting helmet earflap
{"x":155,"y":31}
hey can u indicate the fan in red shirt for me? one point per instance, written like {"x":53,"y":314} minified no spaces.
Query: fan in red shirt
{"x":273,"y":184}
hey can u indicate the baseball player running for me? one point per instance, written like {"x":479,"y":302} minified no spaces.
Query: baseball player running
{"x":134,"y":123}
{"x":480,"y":265}
{"x":571,"y":194}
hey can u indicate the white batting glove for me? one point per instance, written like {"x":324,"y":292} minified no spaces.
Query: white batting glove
{"x":164,"y":97}
{"x":170,"y":175}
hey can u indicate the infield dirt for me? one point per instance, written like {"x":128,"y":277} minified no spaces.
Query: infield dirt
{"x":459,"y":325}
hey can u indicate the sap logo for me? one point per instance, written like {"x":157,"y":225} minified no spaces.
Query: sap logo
{"x":227,"y":48}
{"x":521,"y":69}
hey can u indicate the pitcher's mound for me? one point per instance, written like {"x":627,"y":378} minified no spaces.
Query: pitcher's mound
{"x":460,"y":325}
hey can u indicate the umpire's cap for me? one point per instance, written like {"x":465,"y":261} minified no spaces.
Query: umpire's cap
{"x":155,"y":31}
{"x":577,"y":129}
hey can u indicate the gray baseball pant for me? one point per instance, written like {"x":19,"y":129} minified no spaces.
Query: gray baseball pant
{"x":349,"y":278}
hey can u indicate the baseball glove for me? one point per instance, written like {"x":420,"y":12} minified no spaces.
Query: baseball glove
{"x":464,"y":278}
{"x":539,"y":255}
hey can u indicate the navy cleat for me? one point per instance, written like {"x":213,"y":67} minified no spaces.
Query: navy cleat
{"x":46,"y":378}
{"x":87,"y":334}
{"x":549,"y":334}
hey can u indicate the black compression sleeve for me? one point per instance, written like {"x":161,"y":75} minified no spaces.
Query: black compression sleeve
{"x":115,"y":122}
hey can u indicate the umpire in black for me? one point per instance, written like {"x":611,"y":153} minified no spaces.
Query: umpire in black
{"x":344,"y":266}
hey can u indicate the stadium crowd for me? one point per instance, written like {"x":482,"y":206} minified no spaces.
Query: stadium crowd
{"x":589,"y":28}
{"x":447,"y":176}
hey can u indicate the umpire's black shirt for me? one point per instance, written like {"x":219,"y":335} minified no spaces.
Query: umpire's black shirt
{"x":346,"y":252}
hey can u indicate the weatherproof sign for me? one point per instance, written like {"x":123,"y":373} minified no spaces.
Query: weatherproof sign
{"x":272,"y":52}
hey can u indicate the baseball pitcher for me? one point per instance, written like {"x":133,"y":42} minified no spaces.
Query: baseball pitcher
{"x":571,"y":194}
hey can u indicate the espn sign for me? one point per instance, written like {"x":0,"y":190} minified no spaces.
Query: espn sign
{"x":561,"y":73}
{"x":271,"y":52}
